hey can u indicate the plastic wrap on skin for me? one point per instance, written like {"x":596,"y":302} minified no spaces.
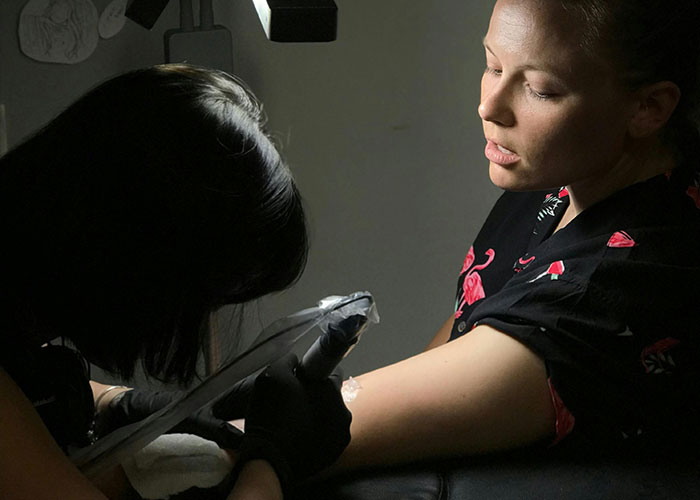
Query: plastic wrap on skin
{"x":273,"y":342}
{"x":350,"y":389}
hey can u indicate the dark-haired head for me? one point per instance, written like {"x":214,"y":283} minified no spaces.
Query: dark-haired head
{"x":149,"y":203}
{"x":647,"y":42}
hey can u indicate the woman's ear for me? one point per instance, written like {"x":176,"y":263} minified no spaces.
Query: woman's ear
{"x":655,"y":105}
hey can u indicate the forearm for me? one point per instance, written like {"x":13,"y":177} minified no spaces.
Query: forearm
{"x":115,"y":485}
{"x":257,"y":481}
{"x":483,"y":392}
{"x":102,"y":394}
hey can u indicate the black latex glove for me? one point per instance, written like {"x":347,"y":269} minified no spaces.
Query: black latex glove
{"x":209,"y":422}
{"x":234,"y":404}
{"x":299,"y":427}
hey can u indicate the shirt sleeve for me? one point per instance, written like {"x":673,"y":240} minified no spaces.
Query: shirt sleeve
{"x":621,"y":367}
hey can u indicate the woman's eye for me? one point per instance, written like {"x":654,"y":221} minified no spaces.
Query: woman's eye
{"x":540,"y":95}
{"x":493,"y":71}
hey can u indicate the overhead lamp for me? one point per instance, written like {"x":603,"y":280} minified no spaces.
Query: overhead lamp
{"x":298,"y":20}
{"x":282,"y":20}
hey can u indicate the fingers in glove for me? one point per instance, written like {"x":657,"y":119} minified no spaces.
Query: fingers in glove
{"x":283,"y":368}
{"x":129,"y":407}
{"x":297,"y":425}
{"x":234,"y":403}
{"x":337,"y":378}
{"x":204,"y":425}
{"x":136,"y":405}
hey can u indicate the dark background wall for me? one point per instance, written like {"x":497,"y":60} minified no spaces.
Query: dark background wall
{"x":380,"y":128}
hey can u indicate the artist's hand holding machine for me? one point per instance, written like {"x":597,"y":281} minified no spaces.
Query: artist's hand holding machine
{"x":295,"y":418}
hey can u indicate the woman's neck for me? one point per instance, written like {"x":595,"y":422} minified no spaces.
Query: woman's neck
{"x":647,"y":161}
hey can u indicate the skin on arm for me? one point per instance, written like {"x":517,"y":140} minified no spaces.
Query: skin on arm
{"x":443,"y":334}
{"x":105,"y":393}
{"x":257,"y":481}
{"x":480,"y":393}
{"x":31,"y":463}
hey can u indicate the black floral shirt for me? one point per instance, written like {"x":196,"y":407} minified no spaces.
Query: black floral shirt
{"x":610,"y":302}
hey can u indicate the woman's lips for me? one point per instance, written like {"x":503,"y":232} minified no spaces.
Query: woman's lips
{"x":499,"y":154}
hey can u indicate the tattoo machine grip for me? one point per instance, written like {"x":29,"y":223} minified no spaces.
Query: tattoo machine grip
{"x":341,"y":332}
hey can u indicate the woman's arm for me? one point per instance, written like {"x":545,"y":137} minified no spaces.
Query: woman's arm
{"x":482,"y":392}
{"x":442,"y":335}
{"x":103,"y":394}
{"x":31,"y":463}
{"x":257,"y":481}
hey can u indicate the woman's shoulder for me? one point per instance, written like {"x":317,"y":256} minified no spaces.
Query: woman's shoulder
{"x":656,"y":202}
{"x":647,"y":235}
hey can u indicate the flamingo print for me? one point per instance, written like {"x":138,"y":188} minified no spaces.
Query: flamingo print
{"x":472,"y":288}
{"x":523,"y":262}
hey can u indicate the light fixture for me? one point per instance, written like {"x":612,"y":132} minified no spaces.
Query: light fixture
{"x":298,"y":20}
{"x":282,"y":20}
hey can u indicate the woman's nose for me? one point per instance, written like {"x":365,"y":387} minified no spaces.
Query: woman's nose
{"x":496,"y":107}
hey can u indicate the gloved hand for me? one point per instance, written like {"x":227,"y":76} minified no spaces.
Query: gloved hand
{"x":299,"y":427}
{"x":209,"y":422}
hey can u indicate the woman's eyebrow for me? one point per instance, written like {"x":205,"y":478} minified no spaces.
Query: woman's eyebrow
{"x":531,"y":67}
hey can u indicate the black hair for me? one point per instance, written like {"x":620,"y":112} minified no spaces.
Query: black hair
{"x":146,"y":205}
{"x":651,"y":41}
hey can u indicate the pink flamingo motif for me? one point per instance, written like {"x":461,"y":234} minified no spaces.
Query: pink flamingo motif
{"x":525,"y":262}
{"x":472,"y":288}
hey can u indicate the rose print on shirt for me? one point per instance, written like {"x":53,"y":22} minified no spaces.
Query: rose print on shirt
{"x":472,"y":288}
{"x":554,"y":270}
{"x":621,"y":240}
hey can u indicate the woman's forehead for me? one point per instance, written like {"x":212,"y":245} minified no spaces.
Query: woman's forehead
{"x":538,"y":34}
{"x":518,"y":24}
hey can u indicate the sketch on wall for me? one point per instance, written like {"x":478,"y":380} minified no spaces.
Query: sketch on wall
{"x":58,"y":31}
{"x":112,"y":19}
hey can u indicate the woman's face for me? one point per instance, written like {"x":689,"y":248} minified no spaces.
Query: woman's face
{"x":551,"y":114}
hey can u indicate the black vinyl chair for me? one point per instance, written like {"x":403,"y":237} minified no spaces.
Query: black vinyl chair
{"x":519,"y":476}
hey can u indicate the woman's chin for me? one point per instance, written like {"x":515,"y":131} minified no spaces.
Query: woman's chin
{"x":512,"y":179}
{"x":505,"y":179}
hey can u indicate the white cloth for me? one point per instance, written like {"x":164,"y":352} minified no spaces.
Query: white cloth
{"x":174,"y":463}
